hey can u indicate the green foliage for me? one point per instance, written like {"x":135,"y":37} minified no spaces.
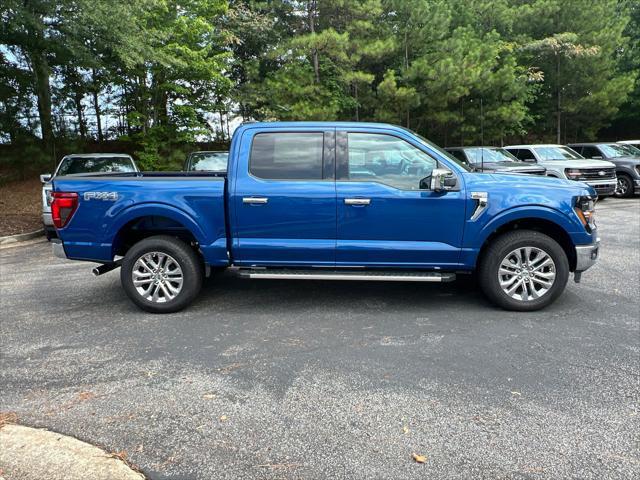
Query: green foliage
{"x":165,"y":73}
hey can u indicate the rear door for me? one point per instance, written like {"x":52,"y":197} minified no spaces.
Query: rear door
{"x":284,"y":198}
{"x":387,"y":217}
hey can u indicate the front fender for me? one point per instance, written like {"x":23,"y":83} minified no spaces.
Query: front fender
{"x":570,"y":224}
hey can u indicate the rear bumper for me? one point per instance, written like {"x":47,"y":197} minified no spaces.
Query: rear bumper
{"x":58,"y":248}
{"x":587,"y":255}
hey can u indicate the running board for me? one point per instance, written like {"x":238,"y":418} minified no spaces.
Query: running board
{"x":382,"y":276}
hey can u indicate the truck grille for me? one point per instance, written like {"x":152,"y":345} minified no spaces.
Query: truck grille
{"x":597,"y":174}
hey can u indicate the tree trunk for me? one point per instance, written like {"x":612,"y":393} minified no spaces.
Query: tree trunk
{"x":311,"y":7}
{"x":96,"y":104}
{"x":43,"y":92}
{"x":558,"y":101}
{"x":77,"y":100}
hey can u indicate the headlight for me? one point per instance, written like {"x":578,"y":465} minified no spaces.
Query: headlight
{"x":572,"y":173}
{"x":49,"y":196}
{"x":586,"y":212}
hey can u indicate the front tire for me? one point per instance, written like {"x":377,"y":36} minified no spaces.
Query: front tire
{"x":624,"y":189}
{"x":161,"y":274}
{"x":523,"y":270}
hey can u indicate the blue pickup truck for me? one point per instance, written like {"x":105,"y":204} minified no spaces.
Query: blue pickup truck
{"x":329,"y":201}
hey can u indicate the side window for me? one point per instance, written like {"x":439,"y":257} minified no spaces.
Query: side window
{"x":459,"y":154}
{"x":387,"y":159}
{"x":524,"y":154}
{"x":590,"y":152}
{"x":287,"y":156}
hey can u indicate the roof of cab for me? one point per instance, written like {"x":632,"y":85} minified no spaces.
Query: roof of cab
{"x":248,"y":125}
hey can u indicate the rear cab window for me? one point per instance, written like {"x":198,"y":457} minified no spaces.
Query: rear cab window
{"x":287,"y":156}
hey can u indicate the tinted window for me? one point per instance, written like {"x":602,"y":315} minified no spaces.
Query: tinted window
{"x":389,"y":160}
{"x":73,"y":165}
{"x":522,"y":154}
{"x":459,"y":154}
{"x":282,"y":156}
{"x":589,"y":152}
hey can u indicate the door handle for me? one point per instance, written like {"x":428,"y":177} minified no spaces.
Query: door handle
{"x":357,"y":201}
{"x":255,"y":200}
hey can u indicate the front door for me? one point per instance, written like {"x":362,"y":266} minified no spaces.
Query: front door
{"x":284,"y":199}
{"x":387,"y":216}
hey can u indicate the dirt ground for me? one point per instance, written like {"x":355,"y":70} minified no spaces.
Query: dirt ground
{"x":20,"y":206}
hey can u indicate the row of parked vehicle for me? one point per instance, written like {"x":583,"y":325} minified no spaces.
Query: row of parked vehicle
{"x":611,"y":168}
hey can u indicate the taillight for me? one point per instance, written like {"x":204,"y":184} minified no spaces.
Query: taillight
{"x":63,"y":207}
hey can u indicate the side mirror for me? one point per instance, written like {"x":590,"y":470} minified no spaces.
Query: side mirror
{"x":597,"y":157}
{"x":530,"y":160}
{"x":442,"y":179}
{"x":45,"y":177}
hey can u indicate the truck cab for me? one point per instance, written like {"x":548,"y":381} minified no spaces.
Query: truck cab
{"x":334,"y":201}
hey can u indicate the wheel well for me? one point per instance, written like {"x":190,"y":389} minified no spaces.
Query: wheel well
{"x":148,"y":226}
{"x":540,"y":225}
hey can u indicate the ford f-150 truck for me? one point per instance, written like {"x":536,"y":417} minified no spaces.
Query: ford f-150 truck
{"x":334,"y":201}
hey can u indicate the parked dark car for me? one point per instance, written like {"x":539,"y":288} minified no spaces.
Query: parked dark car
{"x":207,"y":161}
{"x":493,"y":159}
{"x":626,"y":159}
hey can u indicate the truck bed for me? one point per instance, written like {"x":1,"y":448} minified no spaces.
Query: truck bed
{"x":132,"y":202}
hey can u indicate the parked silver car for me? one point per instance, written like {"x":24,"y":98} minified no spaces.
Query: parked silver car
{"x":81,"y":163}
{"x":563,"y":162}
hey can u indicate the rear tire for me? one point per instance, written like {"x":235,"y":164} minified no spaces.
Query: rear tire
{"x":161,"y":274}
{"x":523,"y":270}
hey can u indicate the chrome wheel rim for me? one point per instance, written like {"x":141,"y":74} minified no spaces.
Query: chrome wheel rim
{"x":157,"y":277}
{"x":622,"y":186}
{"x":527,"y":273}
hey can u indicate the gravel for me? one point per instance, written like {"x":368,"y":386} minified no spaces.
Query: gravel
{"x":283,"y":379}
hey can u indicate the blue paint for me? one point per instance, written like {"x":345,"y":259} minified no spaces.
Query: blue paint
{"x":307,"y":223}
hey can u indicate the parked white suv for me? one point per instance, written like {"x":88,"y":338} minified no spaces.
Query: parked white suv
{"x":563,"y":162}
{"x":81,"y":163}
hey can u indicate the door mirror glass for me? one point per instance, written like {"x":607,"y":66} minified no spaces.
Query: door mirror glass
{"x":441,"y":180}
{"x":45,"y":177}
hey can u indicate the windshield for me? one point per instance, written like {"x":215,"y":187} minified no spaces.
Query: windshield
{"x":489,"y":155}
{"x":427,"y":143}
{"x":71,"y":165}
{"x":557,"y":153}
{"x":208,"y":161}
{"x":613,"y":150}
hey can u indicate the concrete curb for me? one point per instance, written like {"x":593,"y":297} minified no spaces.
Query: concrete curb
{"x":21,"y":237}
{"x":33,"y":454}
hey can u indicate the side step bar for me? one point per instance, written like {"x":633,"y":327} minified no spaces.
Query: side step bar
{"x":382,"y":276}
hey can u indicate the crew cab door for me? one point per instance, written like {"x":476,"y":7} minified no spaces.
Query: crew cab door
{"x":284,"y":199}
{"x":385,"y":217}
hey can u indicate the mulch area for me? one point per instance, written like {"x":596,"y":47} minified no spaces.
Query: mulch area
{"x":20,"y":204}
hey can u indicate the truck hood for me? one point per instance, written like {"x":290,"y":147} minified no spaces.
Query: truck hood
{"x":631,"y":161}
{"x":580,"y":163}
{"x":522,"y":184}
{"x":510,"y":166}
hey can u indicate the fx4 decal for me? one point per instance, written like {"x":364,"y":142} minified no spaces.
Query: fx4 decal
{"x":111,"y":196}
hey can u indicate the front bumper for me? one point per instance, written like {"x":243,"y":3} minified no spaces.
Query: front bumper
{"x":587,"y":255}
{"x":603,"y":187}
{"x":636,"y":187}
{"x":58,"y":248}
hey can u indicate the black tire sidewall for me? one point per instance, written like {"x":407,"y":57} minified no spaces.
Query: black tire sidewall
{"x":508,"y":242}
{"x":192,"y":271}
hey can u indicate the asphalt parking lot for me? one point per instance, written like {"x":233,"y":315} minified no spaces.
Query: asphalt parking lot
{"x":314,"y":380}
